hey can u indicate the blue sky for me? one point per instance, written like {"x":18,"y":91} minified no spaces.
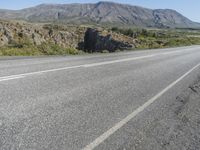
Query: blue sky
{"x":189,"y":8}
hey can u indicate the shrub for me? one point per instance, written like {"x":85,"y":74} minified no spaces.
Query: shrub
{"x":105,"y":51}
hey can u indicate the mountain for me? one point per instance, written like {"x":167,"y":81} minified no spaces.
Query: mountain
{"x":108,"y":13}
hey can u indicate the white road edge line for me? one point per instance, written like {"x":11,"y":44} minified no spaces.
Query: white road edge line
{"x":5,"y":78}
{"x":120,"y":124}
{"x":12,"y":77}
{"x":35,"y":73}
{"x":117,"y":61}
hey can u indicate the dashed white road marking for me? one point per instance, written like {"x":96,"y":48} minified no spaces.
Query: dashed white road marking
{"x":120,"y":124}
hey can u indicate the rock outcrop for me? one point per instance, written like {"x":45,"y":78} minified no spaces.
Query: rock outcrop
{"x":98,"y":41}
{"x":23,"y":34}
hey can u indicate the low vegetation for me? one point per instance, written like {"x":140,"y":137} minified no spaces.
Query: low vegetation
{"x":32,"y":50}
{"x":161,"y":38}
{"x":26,"y":39}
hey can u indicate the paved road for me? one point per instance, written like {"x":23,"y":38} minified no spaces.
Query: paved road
{"x":101,"y":101}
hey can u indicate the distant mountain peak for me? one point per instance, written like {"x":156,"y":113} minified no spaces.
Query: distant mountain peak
{"x":106,"y":2}
{"x":103,"y":12}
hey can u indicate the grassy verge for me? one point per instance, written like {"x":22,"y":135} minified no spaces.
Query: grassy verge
{"x":32,"y":50}
{"x":144,"y":39}
{"x":148,"y":39}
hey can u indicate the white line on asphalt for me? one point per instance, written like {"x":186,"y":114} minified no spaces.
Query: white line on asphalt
{"x":177,"y":51}
{"x":134,"y":58}
{"x":167,"y":53}
{"x":120,"y":124}
{"x":12,"y":77}
{"x":117,"y":61}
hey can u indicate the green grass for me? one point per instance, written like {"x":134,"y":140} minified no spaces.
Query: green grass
{"x":53,"y":49}
{"x":145,"y":39}
{"x":31,"y":50}
{"x":24,"y":46}
{"x":157,"y":38}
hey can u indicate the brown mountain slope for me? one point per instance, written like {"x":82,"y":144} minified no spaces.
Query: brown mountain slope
{"x":101,"y":13}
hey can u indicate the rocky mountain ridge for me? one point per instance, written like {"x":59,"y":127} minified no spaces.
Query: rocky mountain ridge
{"x":103,"y":13}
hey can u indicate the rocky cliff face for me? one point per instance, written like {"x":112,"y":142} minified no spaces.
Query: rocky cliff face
{"x":36,"y":34}
{"x":98,"y":41}
{"x":21,"y":34}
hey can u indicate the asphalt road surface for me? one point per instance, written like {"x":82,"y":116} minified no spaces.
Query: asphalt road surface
{"x":100,"y":101}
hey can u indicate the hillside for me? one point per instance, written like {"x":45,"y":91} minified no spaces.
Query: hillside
{"x":22,"y":38}
{"x":104,"y":13}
